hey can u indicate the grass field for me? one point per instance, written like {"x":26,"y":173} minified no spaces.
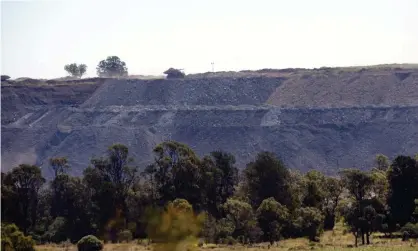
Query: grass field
{"x":331,"y":240}
{"x":286,"y":245}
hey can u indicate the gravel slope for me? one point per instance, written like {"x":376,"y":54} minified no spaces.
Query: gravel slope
{"x":324,"y":121}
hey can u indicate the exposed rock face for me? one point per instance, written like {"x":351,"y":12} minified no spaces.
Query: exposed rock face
{"x":310,"y":121}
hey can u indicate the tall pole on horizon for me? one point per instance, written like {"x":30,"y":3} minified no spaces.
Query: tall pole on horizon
{"x":213,"y":66}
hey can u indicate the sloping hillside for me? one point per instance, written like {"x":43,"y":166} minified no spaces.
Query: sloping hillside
{"x":346,"y":89}
{"x":324,"y":119}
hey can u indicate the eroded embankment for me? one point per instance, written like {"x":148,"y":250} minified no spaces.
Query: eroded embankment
{"x":232,"y":114}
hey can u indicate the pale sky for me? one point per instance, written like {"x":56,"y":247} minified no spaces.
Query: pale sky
{"x":39,"y":37}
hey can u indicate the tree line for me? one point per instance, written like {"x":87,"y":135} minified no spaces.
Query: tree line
{"x":265,"y":202}
{"x":112,"y":66}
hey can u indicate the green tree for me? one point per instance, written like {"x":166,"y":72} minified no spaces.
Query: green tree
{"x":382,"y":162}
{"x":315,"y":189}
{"x":176,"y":174}
{"x":241,"y":215}
{"x":150,"y":185}
{"x":44,"y":218}
{"x":59,"y":165}
{"x":82,"y":68}
{"x":297,"y":184}
{"x":224,"y":228}
{"x":76,"y":70}
{"x":333,"y":190}
{"x":380,"y":184}
{"x":21,"y":186}
{"x":310,"y":221}
{"x":109,"y":182}
{"x":102,"y":198}
{"x":359,"y":184}
{"x":57,"y":231}
{"x":272,"y":218}
{"x":112,"y":66}
{"x":70,"y":208}
{"x":369,"y":215}
{"x":117,"y":169}
{"x":138,"y":200}
{"x":403,"y":181}
{"x":220,"y":176}
{"x":267,"y":177}
{"x":352,"y":218}
{"x":361,"y":220}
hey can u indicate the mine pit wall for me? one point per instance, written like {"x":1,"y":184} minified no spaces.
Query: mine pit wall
{"x":81,"y":121}
{"x":17,"y":101}
{"x":187,"y":92}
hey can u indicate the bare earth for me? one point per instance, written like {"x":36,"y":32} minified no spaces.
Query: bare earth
{"x":322,"y":119}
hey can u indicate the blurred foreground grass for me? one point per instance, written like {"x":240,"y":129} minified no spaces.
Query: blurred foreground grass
{"x":287,"y":245}
{"x":335,"y":240}
{"x":331,"y":240}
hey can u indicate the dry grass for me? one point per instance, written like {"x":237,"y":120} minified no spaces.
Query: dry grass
{"x":286,"y":245}
{"x":331,"y":240}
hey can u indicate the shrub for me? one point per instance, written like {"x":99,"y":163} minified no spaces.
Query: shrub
{"x":174,"y":226}
{"x":125,"y":236}
{"x":209,"y":228}
{"x":229,"y":240}
{"x":411,"y":229}
{"x":224,"y":228}
{"x":56,"y":231}
{"x":4,"y":77}
{"x":89,"y":243}
{"x":14,"y":240}
{"x":174,"y":73}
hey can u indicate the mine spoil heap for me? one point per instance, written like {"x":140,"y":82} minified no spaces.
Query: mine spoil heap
{"x":312,"y":119}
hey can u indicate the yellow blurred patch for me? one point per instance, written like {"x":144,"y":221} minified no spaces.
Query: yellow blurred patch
{"x":175,"y":228}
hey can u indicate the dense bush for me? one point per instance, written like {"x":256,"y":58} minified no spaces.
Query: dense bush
{"x":224,"y":228}
{"x":174,"y":73}
{"x":229,"y":240}
{"x":14,"y":240}
{"x":269,"y":202}
{"x":411,"y":229}
{"x":209,"y":229}
{"x":125,"y":236}
{"x":89,"y":243}
{"x":4,"y":77}
{"x":56,"y":231}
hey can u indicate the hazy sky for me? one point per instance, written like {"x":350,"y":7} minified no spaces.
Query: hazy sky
{"x":39,"y":37}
